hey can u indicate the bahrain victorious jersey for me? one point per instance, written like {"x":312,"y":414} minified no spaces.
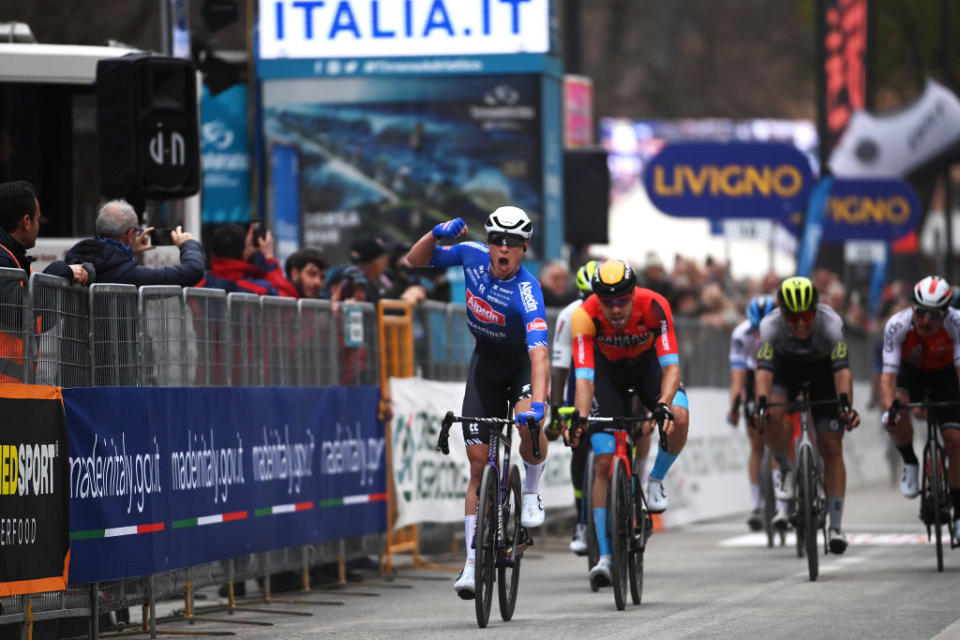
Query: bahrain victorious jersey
{"x":500,"y":313}
{"x":650,"y":326}
{"x":902,"y":343}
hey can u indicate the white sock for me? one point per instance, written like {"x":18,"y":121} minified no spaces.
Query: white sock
{"x":469,"y":528}
{"x":531,"y":481}
{"x":755,"y":495}
{"x":782,"y":504}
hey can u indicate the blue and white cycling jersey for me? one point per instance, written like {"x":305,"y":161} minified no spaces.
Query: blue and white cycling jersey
{"x":501,"y":313}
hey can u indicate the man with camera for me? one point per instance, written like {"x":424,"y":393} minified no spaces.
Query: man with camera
{"x":120,"y":239}
{"x":243,"y":261}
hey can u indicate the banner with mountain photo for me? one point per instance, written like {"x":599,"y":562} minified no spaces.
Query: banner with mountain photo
{"x":403,"y":153}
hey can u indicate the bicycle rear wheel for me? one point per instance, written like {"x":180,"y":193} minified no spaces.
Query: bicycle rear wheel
{"x":809,"y":510}
{"x":934,"y":459}
{"x":620,"y":528}
{"x":638,"y":542}
{"x":508,"y":577}
{"x":593,"y":550}
{"x":485,"y":541}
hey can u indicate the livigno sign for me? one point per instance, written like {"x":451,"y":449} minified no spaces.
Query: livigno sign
{"x":371,"y":28}
{"x":719,"y":180}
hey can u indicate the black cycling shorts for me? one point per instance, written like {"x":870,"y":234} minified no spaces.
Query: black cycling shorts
{"x":613,"y":380}
{"x":498,"y":379}
{"x":788,"y":376}
{"x":942,"y":385}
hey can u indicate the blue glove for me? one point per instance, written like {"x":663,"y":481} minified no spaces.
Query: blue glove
{"x":535,"y":411}
{"x":449,"y":229}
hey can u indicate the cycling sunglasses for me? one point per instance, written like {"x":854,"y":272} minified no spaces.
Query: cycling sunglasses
{"x":611,"y":303}
{"x":799,"y":316}
{"x":924,"y":312}
{"x":499,"y":238}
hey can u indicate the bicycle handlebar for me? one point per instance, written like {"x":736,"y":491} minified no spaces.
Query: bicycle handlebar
{"x":619,"y":420}
{"x":939,"y":404}
{"x":443,"y":442}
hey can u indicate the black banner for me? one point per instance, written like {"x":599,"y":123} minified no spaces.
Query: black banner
{"x":34,"y":490}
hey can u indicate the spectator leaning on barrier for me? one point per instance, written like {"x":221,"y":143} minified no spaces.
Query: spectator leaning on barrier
{"x":119,"y":239}
{"x":19,"y":228}
{"x":307,"y":270}
{"x":244,"y":263}
{"x":367,"y":256}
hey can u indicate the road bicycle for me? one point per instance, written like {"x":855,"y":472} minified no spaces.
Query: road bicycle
{"x":809,"y":513}
{"x":934,"y":488}
{"x":500,"y":539}
{"x":769,"y":501}
{"x":629,"y":524}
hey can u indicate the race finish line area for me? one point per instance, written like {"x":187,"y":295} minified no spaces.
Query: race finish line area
{"x":864,"y":539}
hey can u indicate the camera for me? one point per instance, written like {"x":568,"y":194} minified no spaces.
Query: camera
{"x":161,"y":237}
{"x":259,"y":232}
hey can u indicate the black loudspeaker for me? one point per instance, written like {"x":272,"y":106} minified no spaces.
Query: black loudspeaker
{"x":147,"y":131}
{"x":586,"y":194}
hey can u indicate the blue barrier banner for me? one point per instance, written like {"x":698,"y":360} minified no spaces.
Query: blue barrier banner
{"x":870,"y":209}
{"x":719,"y":180}
{"x":162,"y":478}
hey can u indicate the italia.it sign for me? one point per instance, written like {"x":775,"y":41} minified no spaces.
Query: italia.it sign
{"x":377,"y":28}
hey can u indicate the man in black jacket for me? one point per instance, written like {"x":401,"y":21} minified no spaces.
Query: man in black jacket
{"x":19,"y":228}
{"x":119,"y":238}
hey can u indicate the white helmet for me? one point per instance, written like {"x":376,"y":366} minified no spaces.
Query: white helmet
{"x":512,"y":220}
{"x":933,"y":292}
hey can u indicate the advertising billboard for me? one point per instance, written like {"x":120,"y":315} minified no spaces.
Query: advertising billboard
{"x":365,"y":28}
{"x":401,"y":154}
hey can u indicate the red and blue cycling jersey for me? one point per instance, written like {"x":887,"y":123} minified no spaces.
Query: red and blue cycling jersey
{"x":500,"y":313}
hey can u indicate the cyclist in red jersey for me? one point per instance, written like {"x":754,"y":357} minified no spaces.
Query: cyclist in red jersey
{"x":623,"y":338}
{"x":921,"y":353}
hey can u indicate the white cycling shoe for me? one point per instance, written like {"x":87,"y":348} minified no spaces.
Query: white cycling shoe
{"x":466,"y":583}
{"x":838,"y":541}
{"x":656,"y":497}
{"x":532,"y":513}
{"x":787,"y":489}
{"x":579,"y":543}
{"x":909,"y":484}
{"x":600,"y":573}
{"x":781,"y":519}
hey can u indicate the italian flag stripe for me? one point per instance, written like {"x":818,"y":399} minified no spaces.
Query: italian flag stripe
{"x":283,"y":508}
{"x":216,"y":518}
{"x":92,"y":534}
{"x":359,"y":499}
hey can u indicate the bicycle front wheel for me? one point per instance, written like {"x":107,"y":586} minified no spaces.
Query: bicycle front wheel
{"x":769,"y":501}
{"x":638,"y":542}
{"x":485,"y":541}
{"x":809,"y":510}
{"x":621,"y":527}
{"x":508,"y":574}
{"x":593,"y":550}
{"x":934,"y":460}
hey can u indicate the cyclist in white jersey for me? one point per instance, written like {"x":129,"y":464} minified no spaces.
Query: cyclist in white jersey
{"x":743,"y":367}
{"x":561,"y":400}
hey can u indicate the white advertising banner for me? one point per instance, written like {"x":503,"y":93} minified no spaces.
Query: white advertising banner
{"x":708,"y":480}
{"x":370,"y":28}
{"x":431,"y":486}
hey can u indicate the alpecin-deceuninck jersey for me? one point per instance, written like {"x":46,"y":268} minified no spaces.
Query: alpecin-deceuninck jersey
{"x":501,"y":314}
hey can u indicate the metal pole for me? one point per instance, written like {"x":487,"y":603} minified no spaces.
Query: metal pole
{"x":165,"y":27}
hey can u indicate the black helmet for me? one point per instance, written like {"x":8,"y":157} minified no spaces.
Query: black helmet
{"x":613,"y":279}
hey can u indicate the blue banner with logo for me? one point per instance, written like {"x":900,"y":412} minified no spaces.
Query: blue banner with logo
{"x":162,"y":478}
{"x":870,"y":209}
{"x":225,"y":152}
{"x":719,"y":180}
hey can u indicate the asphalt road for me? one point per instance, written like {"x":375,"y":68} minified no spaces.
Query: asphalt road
{"x":706,"y":580}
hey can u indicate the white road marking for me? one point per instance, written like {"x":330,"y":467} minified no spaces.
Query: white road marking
{"x":864,"y":539}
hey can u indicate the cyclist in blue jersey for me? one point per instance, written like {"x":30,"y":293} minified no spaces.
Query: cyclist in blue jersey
{"x":510,"y":364}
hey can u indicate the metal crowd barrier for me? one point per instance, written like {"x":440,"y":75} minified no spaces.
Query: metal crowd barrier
{"x":118,"y":335}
